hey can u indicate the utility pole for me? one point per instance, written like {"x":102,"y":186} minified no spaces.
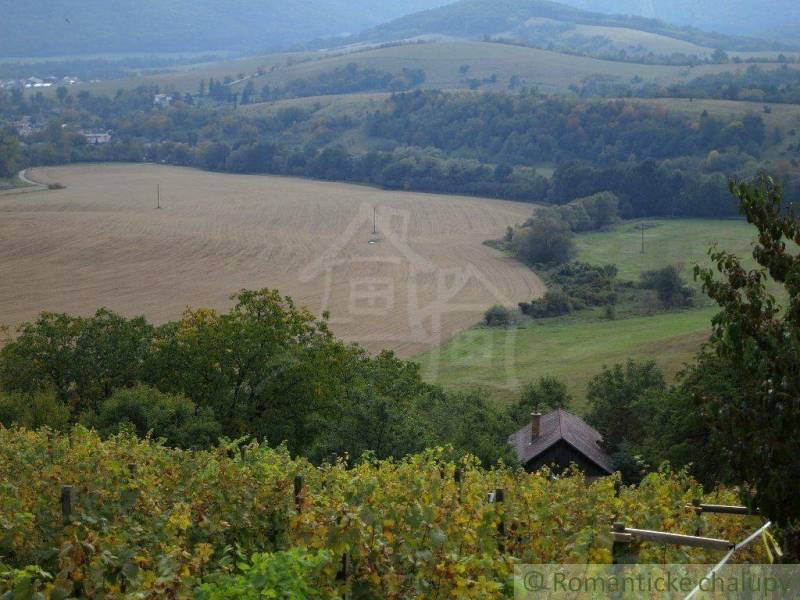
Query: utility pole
{"x":158,"y":195}
{"x":642,"y":237}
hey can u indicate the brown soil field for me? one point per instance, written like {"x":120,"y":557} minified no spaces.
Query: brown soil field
{"x":423,"y":277}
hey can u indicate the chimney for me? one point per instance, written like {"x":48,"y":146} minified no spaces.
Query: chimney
{"x":536,"y":426}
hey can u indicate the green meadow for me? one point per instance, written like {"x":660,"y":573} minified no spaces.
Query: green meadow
{"x":575,"y":348}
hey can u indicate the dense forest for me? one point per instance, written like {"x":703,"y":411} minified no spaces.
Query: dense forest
{"x":485,"y":144}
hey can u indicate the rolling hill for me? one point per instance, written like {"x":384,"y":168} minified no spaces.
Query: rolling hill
{"x":544,"y":23}
{"x":743,"y":17}
{"x":77,"y":27}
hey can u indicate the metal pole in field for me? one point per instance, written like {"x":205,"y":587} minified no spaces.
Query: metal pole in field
{"x":158,"y":195}
{"x":642,"y":238}
{"x":374,"y":220}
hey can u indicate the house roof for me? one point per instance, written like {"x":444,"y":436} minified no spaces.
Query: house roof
{"x":557,"y":426}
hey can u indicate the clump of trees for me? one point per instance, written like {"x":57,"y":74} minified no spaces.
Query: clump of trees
{"x":265,"y":369}
{"x":345,"y":80}
{"x":546,"y":241}
{"x":497,"y":316}
{"x":672,"y":291}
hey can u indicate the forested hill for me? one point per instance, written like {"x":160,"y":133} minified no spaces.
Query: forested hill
{"x":57,"y":27}
{"x":475,"y":18}
{"x":780,"y":19}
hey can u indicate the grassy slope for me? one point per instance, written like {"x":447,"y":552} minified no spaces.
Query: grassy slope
{"x":550,"y":71}
{"x":575,"y":349}
{"x":503,"y":360}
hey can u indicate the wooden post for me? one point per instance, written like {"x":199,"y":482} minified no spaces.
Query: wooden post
{"x":243,"y":452}
{"x":699,"y":515}
{"x":67,"y":497}
{"x":342,"y":574}
{"x":133,"y":469}
{"x":500,"y":498}
{"x":298,"y":493}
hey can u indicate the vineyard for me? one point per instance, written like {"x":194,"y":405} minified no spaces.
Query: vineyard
{"x":84,"y":517}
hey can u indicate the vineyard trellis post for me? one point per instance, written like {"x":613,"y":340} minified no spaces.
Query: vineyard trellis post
{"x":298,"y":493}
{"x":67,"y":500}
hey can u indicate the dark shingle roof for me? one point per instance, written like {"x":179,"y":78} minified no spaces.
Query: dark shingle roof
{"x":556,"y":426}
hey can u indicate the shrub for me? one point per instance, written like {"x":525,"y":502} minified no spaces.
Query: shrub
{"x":290,"y":574}
{"x":667,"y":283}
{"x":548,"y":241}
{"x":40,"y":409}
{"x":497,"y":316}
{"x":553,"y":304}
{"x":145,"y":410}
{"x":549,"y":393}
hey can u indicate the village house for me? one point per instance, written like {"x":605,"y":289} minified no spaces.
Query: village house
{"x":96,"y":138}
{"x":162,"y":100}
{"x":558,"y":440}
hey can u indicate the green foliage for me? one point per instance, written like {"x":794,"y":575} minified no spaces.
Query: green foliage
{"x":549,"y":393}
{"x":266,"y":369}
{"x":289,"y":575}
{"x":760,"y":340}
{"x":613,"y":397}
{"x":671,"y":289}
{"x":9,"y":153}
{"x":33,"y":410}
{"x":225,"y":525}
{"x":345,"y":80}
{"x":575,"y":286}
{"x":82,"y":358}
{"x":553,"y":304}
{"x":597,"y":211}
{"x":497,"y":316}
{"x":472,"y":424}
{"x":146,"y":411}
{"x":547,"y":241}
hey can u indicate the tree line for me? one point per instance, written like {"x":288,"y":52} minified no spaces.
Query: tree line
{"x":655,"y":162}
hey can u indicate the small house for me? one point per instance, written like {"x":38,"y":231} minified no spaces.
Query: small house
{"x":558,"y":440}
{"x":162,"y":100}
{"x":97,"y":138}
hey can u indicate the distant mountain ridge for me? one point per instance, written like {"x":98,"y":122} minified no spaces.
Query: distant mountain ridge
{"x":771,"y":19}
{"x":474,"y":18}
{"x":74,"y":27}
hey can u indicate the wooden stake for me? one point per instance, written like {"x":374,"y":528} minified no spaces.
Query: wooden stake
{"x":499,"y":498}
{"x":67,"y":497}
{"x":298,"y":493}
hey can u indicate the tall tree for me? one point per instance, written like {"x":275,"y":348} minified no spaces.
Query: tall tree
{"x":757,"y":428}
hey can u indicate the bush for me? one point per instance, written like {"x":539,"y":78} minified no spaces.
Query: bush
{"x":497,"y":316}
{"x":549,"y":393}
{"x":667,"y":283}
{"x":290,"y":574}
{"x":548,"y":241}
{"x":553,"y":304}
{"x":40,"y":409}
{"x":145,"y":410}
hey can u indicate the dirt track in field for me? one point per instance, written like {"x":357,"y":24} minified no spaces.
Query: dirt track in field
{"x":102,"y":242}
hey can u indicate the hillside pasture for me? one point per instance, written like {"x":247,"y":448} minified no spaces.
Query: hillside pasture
{"x":575,"y":348}
{"x":441,"y":61}
{"x":501,"y":361}
{"x":423,"y":277}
